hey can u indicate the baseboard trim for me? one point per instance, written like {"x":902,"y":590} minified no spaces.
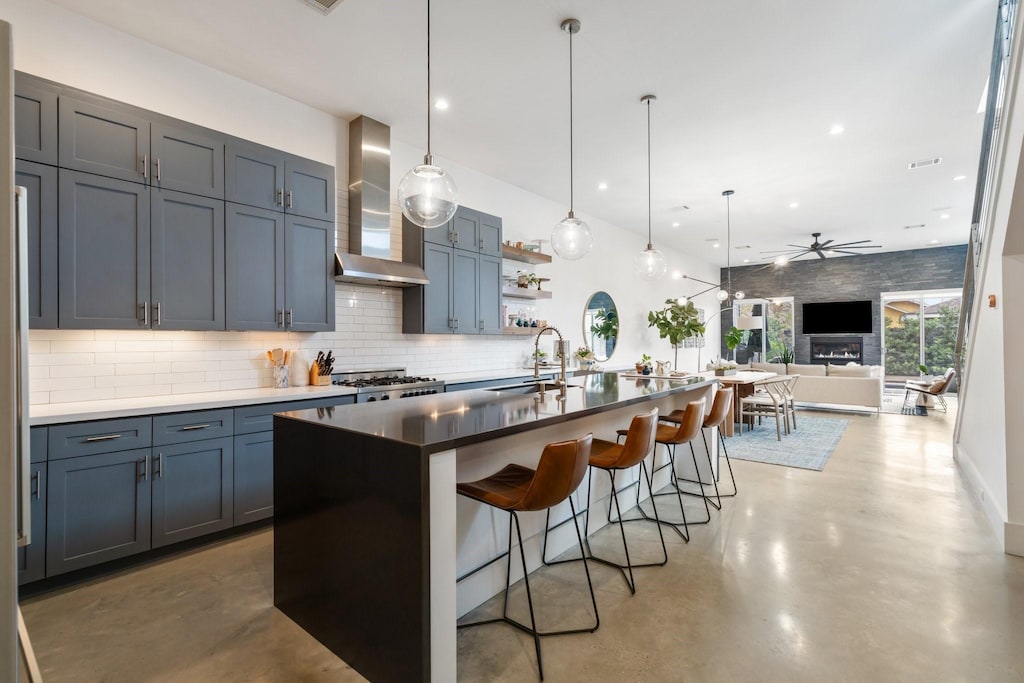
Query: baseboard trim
{"x":982,"y":495}
{"x":1014,"y":539}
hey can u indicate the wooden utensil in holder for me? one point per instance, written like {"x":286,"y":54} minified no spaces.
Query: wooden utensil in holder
{"x":316,"y":379}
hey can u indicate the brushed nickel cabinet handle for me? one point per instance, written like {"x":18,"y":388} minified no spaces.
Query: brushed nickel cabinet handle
{"x":158,"y":467}
{"x":106,"y":437}
{"x":279,"y":196}
{"x":193,"y":427}
{"x":288,"y":202}
{"x":289,"y":319}
{"x":156,"y":168}
{"x":145,"y":166}
{"x":156,"y":314}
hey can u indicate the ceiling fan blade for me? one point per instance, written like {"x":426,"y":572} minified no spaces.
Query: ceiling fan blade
{"x":803,"y":253}
{"x":820,"y":253}
{"x":798,"y":246}
{"x":847,"y":244}
{"x":852,"y":253}
{"x":825,"y":243}
{"x":783,"y":251}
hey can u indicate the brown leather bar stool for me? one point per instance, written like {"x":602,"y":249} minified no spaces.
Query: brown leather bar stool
{"x":612,"y":457}
{"x":716,"y":417}
{"x":686,"y":428}
{"x":519,"y":489}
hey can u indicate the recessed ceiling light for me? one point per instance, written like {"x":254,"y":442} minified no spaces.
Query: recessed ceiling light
{"x":945,"y":215}
{"x":746,"y":260}
{"x":934,"y":242}
{"x":677,"y":275}
{"x":441,"y":104}
{"x":602,"y":186}
{"x":716,"y":245}
{"x":781,"y":261}
{"x":675,"y":224}
{"x":794,"y":205}
{"x":959,"y":177}
{"x":836,"y":129}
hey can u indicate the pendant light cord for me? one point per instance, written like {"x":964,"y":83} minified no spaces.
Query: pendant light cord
{"x":649,"y":243}
{"x":571,"y":181}
{"x":429,"y":156}
{"x":728,"y":239}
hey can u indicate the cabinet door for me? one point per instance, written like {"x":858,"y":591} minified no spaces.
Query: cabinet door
{"x":254,"y":477}
{"x":104,"y":252}
{"x":35,"y":121}
{"x":309,"y":275}
{"x":187,"y":159}
{"x":490,"y":294}
{"x":437,"y":296}
{"x":309,"y":189}
{"x":187,"y":255}
{"x":254,"y":248}
{"x":32,"y":558}
{"x":464,"y":292}
{"x":41,"y":183}
{"x":490,"y":235}
{"x":466,"y":229}
{"x":441,"y":236}
{"x":110,"y":141}
{"x":97,"y":509}
{"x":192,"y":490}
{"x":254,"y":175}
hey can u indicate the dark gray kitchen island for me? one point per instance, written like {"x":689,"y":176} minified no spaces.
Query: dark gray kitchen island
{"x":367,"y":527}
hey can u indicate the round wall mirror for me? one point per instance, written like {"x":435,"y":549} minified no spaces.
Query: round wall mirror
{"x":601,"y":325}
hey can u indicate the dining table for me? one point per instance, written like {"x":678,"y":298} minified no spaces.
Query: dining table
{"x":742,"y":382}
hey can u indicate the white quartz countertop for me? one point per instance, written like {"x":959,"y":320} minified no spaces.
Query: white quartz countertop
{"x":56,"y":413}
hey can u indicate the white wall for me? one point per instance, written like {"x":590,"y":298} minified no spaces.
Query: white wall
{"x":70,"y":365}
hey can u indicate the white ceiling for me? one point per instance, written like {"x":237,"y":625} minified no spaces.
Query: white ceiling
{"x":747,"y":93}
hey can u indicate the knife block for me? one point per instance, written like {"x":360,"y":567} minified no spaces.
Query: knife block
{"x":316,"y":379}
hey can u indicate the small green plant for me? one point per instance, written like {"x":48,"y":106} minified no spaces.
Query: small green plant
{"x":733,"y":338}
{"x":584,"y":354}
{"x":923,"y":368}
{"x":540,"y":355}
{"x":787,"y":356}
{"x":527,"y":279}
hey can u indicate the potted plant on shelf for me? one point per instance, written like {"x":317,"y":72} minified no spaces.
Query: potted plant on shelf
{"x":585,"y":357}
{"x":676,"y":322}
{"x":733,"y":338}
{"x":643,"y":366}
{"x":527,"y":280}
{"x":724,"y":368}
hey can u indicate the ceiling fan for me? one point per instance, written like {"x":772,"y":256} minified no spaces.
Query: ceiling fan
{"x":821,"y":249}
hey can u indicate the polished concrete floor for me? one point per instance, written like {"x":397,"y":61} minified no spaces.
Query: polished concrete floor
{"x":879,"y":568}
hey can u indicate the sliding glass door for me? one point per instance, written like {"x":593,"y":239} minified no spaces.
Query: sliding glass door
{"x":918,"y":332}
{"x":767,"y":326}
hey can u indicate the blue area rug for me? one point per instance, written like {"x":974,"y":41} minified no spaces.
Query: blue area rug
{"x":808,"y":447}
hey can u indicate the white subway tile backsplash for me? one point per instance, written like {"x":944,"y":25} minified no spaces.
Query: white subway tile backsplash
{"x":136,"y":392}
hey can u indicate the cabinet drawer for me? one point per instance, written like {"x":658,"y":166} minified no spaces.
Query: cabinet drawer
{"x":105,"y":436}
{"x":197,"y":426}
{"x":260,"y":418}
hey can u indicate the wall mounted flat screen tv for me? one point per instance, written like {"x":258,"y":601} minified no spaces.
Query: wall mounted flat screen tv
{"x":838,"y":317}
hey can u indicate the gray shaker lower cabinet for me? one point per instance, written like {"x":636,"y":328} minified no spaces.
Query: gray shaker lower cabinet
{"x":32,"y":558}
{"x":98,"y":509}
{"x":309,"y":275}
{"x":254,"y":477}
{"x":192,"y":489}
{"x":187,"y":254}
{"x":104,"y":253}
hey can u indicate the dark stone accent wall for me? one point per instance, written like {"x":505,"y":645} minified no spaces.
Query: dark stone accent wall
{"x":850,"y":278}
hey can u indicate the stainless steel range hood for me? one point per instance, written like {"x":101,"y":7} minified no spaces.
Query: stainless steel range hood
{"x":369,"y":212}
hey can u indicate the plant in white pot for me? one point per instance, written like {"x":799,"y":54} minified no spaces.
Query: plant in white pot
{"x":676,"y":322}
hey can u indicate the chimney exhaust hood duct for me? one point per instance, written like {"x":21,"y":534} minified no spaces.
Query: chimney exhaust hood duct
{"x":369,"y":212}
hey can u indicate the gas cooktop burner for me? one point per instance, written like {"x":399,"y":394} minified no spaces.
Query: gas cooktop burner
{"x":381,"y":381}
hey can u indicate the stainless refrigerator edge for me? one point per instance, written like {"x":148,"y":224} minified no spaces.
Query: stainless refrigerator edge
{"x":16,"y":660}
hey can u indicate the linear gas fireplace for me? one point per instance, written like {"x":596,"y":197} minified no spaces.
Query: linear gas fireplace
{"x":837,"y":350}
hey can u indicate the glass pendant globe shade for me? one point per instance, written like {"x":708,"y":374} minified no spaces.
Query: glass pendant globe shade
{"x":427,"y":196}
{"x":722,"y":295}
{"x":571,"y":239}
{"x":738,"y":295}
{"x":651,"y":264}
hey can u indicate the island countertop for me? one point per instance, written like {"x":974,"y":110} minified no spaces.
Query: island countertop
{"x":443,"y":421}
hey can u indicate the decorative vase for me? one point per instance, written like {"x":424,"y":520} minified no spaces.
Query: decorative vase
{"x":725,"y":372}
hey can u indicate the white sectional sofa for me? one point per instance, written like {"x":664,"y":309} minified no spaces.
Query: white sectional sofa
{"x":846,"y":385}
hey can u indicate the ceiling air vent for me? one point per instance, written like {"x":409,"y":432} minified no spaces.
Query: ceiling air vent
{"x":913,"y":227}
{"x":324,"y":6}
{"x":934,"y":161}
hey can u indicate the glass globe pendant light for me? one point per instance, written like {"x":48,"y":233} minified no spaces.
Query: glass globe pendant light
{"x":650,"y":263}
{"x":571,"y":238}
{"x":427,"y":194}
{"x":723,"y":294}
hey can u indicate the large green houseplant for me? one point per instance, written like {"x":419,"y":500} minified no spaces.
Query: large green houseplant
{"x":733,"y":338}
{"x":676,"y":322}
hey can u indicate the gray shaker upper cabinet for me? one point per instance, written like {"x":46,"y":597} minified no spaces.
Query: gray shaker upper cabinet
{"x":110,"y":139}
{"x":187,"y":268}
{"x":489,"y":291}
{"x":309,"y":273}
{"x":104,"y":254}
{"x":254,"y":175}
{"x":309,"y":189}
{"x":35,"y":120}
{"x":41,"y":182}
{"x":187,"y":159}
{"x":254,"y":247}
{"x":489,"y":233}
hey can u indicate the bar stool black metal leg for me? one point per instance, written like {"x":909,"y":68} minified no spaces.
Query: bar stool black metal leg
{"x":728,"y":463}
{"x":529,"y":597}
{"x":677,"y":492}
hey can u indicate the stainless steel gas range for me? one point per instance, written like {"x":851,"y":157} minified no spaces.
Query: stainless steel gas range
{"x":384,"y":385}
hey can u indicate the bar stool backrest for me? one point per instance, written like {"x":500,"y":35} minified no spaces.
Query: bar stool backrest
{"x":560,"y":470}
{"x":689,"y":426}
{"x":720,"y":408}
{"x":639,"y":439}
